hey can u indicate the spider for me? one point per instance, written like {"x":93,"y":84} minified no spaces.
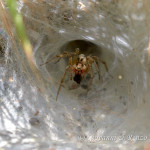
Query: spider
{"x":80,"y":65}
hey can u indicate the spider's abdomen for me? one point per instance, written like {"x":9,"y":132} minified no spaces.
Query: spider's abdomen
{"x":77,"y":78}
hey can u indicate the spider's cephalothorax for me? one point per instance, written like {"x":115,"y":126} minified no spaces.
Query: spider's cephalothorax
{"x":79,"y":64}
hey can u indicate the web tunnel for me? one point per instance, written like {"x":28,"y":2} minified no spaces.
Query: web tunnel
{"x":114,"y":114}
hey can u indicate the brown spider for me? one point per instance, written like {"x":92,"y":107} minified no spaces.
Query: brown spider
{"x":79,"y":64}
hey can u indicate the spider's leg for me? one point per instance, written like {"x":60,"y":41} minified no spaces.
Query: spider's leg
{"x":70,"y":64}
{"x":102,"y":61}
{"x":49,"y":60}
{"x":58,"y":60}
{"x":91,"y":79}
{"x":58,"y":56}
{"x":67,"y":68}
{"x":65,"y":54}
{"x":97,"y":68}
{"x":68,"y":54}
{"x":95,"y":61}
{"x":77,"y":50}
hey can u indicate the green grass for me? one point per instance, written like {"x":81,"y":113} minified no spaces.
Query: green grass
{"x":20,"y":28}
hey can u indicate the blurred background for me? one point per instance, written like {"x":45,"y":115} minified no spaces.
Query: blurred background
{"x":115,"y":112}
